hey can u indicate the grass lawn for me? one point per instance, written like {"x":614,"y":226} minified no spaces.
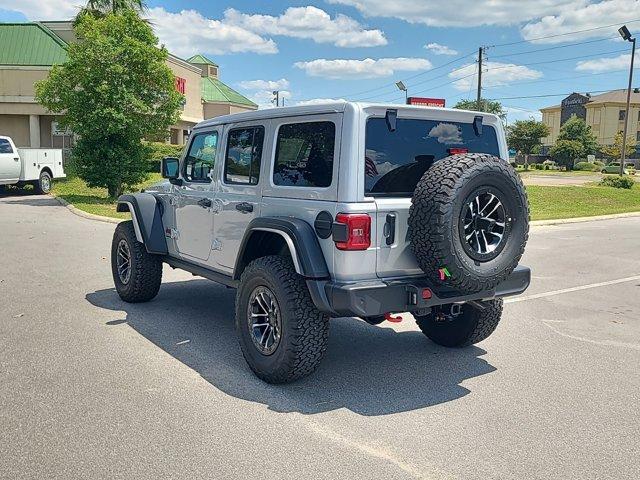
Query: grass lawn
{"x":581,"y":201}
{"x":94,"y":200}
{"x":547,"y":202}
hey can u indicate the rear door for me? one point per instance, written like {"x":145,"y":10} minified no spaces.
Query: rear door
{"x":396,"y":160}
{"x":10,"y":165}
{"x":239,"y":196}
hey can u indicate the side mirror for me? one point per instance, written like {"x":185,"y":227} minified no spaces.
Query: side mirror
{"x":170,"y":168}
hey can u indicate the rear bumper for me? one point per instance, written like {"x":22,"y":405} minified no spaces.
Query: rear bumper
{"x":373,"y":298}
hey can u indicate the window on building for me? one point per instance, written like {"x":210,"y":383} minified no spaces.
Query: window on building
{"x":201,"y":157}
{"x":639,"y":116}
{"x":5,"y":146}
{"x":244,"y":156}
{"x":304,"y":154}
{"x":622,"y":114}
{"x":637,"y":136}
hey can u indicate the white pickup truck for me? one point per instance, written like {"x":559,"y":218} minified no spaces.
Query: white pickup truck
{"x":24,"y":166}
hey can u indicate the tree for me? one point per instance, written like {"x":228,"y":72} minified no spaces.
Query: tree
{"x":100,"y":8}
{"x":525,"y":135}
{"x":565,"y":152}
{"x":114,"y":90}
{"x":488,"y":106}
{"x":614,"y":151}
{"x":577,"y":129}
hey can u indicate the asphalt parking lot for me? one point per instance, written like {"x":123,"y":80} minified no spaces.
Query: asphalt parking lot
{"x":91,"y":387}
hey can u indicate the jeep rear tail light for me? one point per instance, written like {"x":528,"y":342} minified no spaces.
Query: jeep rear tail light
{"x":352,"y":231}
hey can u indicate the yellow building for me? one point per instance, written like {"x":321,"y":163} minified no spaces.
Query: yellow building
{"x":604,"y":113}
{"x":28,"y":52}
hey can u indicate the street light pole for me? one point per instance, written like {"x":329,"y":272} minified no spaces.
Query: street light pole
{"x":626,"y":35}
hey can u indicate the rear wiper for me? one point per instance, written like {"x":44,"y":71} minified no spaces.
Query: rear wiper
{"x":477,"y":125}
{"x":391,"y":117}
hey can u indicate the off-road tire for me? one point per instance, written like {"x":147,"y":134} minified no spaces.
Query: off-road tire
{"x":470,"y":327}
{"x":42,"y":186}
{"x":304,"y":332}
{"x":146,"y":268}
{"x":435,"y":221}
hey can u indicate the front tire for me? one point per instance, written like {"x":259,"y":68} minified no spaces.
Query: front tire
{"x":471,"y":326}
{"x":283,"y":336}
{"x":43,"y":185}
{"x":137,"y":274}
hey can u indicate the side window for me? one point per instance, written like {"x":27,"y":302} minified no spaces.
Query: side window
{"x":304,"y":154}
{"x":5,"y":146}
{"x":201,"y":157}
{"x":244,"y":155}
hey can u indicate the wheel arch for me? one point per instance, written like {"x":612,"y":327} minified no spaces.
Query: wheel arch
{"x":275,"y":235}
{"x":146,"y":213}
{"x":47,"y":170}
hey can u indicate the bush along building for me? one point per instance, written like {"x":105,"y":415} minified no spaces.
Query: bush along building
{"x":28,"y":52}
{"x":604,"y":113}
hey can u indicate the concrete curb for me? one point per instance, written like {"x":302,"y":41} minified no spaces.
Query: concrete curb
{"x":83,"y":214}
{"x":535,"y":223}
{"x":564,"y":221}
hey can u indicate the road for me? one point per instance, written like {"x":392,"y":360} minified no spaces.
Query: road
{"x":91,"y":387}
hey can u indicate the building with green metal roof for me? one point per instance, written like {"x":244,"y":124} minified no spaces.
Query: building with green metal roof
{"x":29,"y":50}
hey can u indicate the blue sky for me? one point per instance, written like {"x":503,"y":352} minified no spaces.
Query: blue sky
{"x":357,"y":49}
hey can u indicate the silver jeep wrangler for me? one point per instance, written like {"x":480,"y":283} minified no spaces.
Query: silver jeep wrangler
{"x":341,"y":209}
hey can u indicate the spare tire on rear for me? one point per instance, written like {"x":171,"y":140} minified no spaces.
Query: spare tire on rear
{"x":469,"y":222}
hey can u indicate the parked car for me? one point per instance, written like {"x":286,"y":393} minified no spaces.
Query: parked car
{"x":335,"y":210}
{"x":614,"y":167}
{"x":29,"y":166}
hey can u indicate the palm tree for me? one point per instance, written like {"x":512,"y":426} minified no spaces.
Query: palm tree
{"x":100,"y":8}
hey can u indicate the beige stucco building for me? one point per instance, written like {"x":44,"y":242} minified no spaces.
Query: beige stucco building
{"x":603,"y":113}
{"x":29,"y":50}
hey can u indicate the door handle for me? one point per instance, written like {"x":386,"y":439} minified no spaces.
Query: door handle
{"x":244,"y":207}
{"x":204,"y":202}
{"x":17,"y":159}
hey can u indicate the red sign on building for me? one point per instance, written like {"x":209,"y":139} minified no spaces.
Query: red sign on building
{"x":426,"y":102}
{"x":181,"y":85}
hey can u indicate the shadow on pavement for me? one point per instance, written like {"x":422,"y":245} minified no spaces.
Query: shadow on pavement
{"x":31,"y":200}
{"x":368,"y":370}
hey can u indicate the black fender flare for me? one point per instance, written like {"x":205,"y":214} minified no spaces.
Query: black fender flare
{"x":146,"y":212}
{"x":301,"y":240}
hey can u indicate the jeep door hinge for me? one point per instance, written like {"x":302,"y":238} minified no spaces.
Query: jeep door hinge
{"x":216,"y":244}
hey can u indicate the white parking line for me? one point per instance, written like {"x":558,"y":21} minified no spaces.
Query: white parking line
{"x":572,"y":289}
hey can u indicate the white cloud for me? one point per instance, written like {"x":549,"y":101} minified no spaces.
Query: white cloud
{"x":309,"y":22}
{"x":367,"y":68}
{"x":461,"y":13}
{"x":582,"y":15}
{"x":516,"y":113}
{"x":42,"y":9}
{"x":319,"y":101}
{"x":606,"y":64}
{"x":264,"y":84}
{"x":496,"y":74}
{"x":438,"y":49}
{"x":188,"y":32}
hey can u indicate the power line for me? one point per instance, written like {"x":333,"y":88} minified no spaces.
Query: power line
{"x":566,"y":33}
{"x":554,"y":47}
{"x":547,"y":95}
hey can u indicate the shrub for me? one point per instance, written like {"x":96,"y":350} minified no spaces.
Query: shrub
{"x":618,"y":182}
{"x":586,"y":167}
{"x":159,"y":150}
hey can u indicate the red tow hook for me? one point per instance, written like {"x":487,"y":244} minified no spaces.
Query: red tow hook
{"x":390,"y":318}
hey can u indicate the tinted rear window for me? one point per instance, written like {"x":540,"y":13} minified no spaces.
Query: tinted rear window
{"x":395,"y":161}
{"x":304,"y":154}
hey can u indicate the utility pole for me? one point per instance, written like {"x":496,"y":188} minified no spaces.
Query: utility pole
{"x":479,"y":97}
{"x":276,"y":100}
{"x":626,"y":35}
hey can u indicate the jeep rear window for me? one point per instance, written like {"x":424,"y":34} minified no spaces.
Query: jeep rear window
{"x":395,"y":161}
